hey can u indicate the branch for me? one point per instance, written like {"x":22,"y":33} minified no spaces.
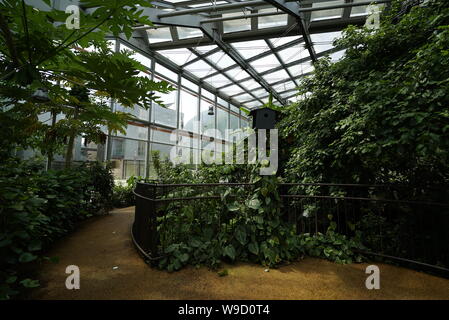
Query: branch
{"x":25,"y":22}
{"x":77,"y":39}
{"x":9,"y":40}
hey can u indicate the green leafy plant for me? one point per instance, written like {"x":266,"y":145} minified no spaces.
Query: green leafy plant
{"x":378,"y":115}
{"x":38,"y":207}
{"x":332,"y":245}
{"x":77,"y":69}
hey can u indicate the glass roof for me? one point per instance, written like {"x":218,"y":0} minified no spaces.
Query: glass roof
{"x":261,"y":48}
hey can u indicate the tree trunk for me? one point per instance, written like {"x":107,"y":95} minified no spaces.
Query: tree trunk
{"x":50,"y":154}
{"x":69,"y":154}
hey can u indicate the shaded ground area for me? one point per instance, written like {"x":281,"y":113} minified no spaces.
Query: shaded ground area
{"x":104,"y":243}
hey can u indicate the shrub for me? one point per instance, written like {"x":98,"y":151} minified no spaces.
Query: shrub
{"x":38,"y":207}
{"x":245,"y":224}
{"x":379,"y":114}
{"x":123,"y":195}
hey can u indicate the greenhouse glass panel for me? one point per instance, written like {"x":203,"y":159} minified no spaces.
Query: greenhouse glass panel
{"x":253,"y":104}
{"x":178,"y":56}
{"x":186,"y":140}
{"x":222,"y":121}
{"x":232,"y":90}
{"x":162,"y":135}
{"x":189,"y":84}
{"x":222,"y":102}
{"x":188,"y":115}
{"x":250,"y":84}
{"x":208,"y":94}
{"x":249,"y":49}
{"x":218,"y":80}
{"x":276,"y":76}
{"x":142,"y":59}
{"x":300,"y":69}
{"x":234,"y":122}
{"x":135,"y":132}
{"x":127,"y":157}
{"x":323,"y":41}
{"x":363,"y":10}
{"x":235,"y":25}
{"x":237,"y":74}
{"x":200,"y":69}
{"x":266,"y":63}
{"x":292,"y":53}
{"x":207,"y":121}
{"x":220,"y":59}
{"x":276,"y":42}
{"x":206,"y":4}
{"x":243,"y":97}
{"x":161,"y":34}
{"x":165,"y":115}
{"x":137,"y":111}
{"x":186,"y":33}
{"x":276,"y":20}
{"x":164,"y":150}
{"x":235,"y":108}
{"x":165,"y":73}
{"x":326,"y":14}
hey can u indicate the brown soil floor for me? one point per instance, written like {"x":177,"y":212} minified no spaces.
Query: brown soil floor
{"x":103,"y":243}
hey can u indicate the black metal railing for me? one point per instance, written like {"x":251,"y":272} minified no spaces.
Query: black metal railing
{"x":397,"y":223}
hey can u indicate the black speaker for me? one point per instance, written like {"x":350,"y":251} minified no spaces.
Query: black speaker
{"x":263,"y":118}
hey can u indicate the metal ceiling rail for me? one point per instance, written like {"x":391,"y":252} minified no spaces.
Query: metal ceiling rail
{"x":251,"y":15}
{"x":288,"y":65}
{"x":226,"y":76}
{"x":343,"y":5}
{"x":292,"y":9}
{"x":276,"y":54}
{"x":235,"y":55}
{"x":263,"y":54}
{"x":266,"y":14}
{"x":212,"y":8}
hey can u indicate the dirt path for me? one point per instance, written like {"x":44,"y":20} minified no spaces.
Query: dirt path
{"x":104,"y":243}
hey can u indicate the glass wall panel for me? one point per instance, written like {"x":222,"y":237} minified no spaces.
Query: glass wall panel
{"x":207,"y":121}
{"x":162,"y":135}
{"x":271,"y":21}
{"x":135,"y":132}
{"x":128,"y":157}
{"x":167,"y":74}
{"x":235,"y":25}
{"x":188,"y":116}
{"x":245,"y":123}
{"x":187,"y":140}
{"x":190,"y":85}
{"x":222,"y":121}
{"x":234,"y":122}
{"x":161,"y":34}
{"x":326,"y":14}
{"x":185,"y":33}
{"x":164,"y":150}
{"x":235,"y":108}
{"x":249,"y":49}
{"x":137,"y":111}
{"x":166,"y":116}
{"x":178,"y":56}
